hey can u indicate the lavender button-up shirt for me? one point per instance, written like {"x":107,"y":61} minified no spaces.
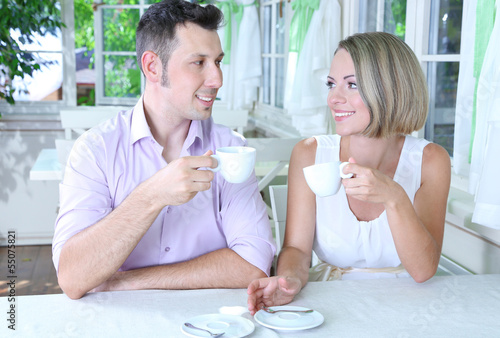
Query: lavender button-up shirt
{"x":110,"y":160}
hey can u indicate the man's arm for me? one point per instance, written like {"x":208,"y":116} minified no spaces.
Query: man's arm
{"x":93,"y":255}
{"x":222,"y":268}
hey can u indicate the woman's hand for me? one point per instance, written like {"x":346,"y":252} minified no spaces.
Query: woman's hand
{"x":272,"y":291}
{"x":370,"y":185}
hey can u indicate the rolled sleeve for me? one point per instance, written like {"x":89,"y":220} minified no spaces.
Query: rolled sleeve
{"x":246,"y":224}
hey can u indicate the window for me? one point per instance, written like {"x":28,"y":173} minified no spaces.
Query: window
{"x":274,"y":57}
{"x":118,"y":79}
{"x":270,"y":115}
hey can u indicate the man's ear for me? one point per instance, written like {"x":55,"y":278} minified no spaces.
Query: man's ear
{"x":151,"y":66}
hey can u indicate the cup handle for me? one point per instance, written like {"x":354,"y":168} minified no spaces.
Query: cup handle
{"x":218,"y":163}
{"x":341,"y":170}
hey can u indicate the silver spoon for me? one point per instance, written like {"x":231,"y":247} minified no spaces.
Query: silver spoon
{"x":215,"y":335}
{"x":267,"y":309}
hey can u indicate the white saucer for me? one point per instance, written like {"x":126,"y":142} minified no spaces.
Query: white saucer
{"x":289,"y":320}
{"x":232,"y":325}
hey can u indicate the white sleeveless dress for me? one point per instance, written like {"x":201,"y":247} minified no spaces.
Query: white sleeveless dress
{"x":343,"y":241}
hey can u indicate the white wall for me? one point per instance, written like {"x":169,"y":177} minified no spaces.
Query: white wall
{"x":28,"y":207}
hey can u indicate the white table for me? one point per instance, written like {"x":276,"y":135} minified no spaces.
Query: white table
{"x":448,"y":306}
{"x":47,"y":166}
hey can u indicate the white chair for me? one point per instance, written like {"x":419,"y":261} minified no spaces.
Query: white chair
{"x":278,"y":195}
{"x":79,"y":119}
{"x":236,"y":119}
{"x":273,"y":156}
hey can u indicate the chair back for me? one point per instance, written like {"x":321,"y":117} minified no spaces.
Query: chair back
{"x":236,"y":119}
{"x":278,"y":196}
{"x":276,"y":153}
{"x":79,"y":119}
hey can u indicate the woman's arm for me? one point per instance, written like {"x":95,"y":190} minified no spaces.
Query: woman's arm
{"x":295,"y":257}
{"x":417,"y":229}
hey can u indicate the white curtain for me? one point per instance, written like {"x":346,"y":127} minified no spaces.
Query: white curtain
{"x":484,"y":178}
{"x":465,"y":92}
{"x":306,"y":99}
{"x":242,"y":75}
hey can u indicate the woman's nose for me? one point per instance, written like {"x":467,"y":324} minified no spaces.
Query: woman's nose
{"x":336,"y":96}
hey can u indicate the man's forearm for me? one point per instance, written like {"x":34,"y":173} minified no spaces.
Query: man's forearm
{"x":222,"y":268}
{"x":92,"y":256}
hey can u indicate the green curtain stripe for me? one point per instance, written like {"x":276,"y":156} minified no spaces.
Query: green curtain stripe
{"x":303,"y":12}
{"x":485,"y":19}
{"x":228,"y":8}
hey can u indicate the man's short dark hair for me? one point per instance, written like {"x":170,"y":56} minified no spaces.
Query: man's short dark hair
{"x":157,"y":28}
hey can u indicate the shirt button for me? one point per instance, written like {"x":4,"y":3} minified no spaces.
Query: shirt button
{"x":167,"y":249}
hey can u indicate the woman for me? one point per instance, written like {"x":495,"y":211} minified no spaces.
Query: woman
{"x":386,"y":221}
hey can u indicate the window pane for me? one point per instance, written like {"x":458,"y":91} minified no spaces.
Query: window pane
{"x":280,"y":82}
{"x":442,"y":82}
{"x":280,"y":32}
{"x":367,"y":16}
{"x":121,"y":76}
{"x":45,"y":84}
{"x":445,"y":26}
{"x":122,"y":2}
{"x":395,"y":17}
{"x":266,"y":36}
{"x":119,"y":29}
{"x":266,"y":80}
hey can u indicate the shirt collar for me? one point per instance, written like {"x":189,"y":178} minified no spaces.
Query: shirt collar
{"x":140,"y":129}
{"x":195,"y":132}
{"x":139,"y":126}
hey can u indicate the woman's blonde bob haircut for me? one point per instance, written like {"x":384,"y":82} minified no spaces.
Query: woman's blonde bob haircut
{"x":390,"y":82}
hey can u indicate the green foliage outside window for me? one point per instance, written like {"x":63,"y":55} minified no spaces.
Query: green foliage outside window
{"x":28,"y":17}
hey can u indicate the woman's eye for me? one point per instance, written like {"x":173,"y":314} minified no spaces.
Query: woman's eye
{"x":352,"y":85}
{"x":330,"y":84}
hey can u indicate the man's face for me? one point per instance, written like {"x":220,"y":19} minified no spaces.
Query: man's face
{"x":194,"y":74}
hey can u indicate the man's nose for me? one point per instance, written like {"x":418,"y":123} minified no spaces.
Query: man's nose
{"x":214,"y":77}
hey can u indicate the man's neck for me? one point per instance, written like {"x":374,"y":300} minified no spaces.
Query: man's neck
{"x":168,"y":131}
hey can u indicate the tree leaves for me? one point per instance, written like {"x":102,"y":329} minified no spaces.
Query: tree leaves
{"x":27,"y":17}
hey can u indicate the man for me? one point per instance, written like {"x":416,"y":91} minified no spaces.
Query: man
{"x":138,"y":209}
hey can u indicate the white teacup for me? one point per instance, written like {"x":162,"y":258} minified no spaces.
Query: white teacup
{"x":324,"y":179}
{"x":236,"y":164}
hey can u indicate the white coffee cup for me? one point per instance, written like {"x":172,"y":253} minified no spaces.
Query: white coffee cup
{"x":236,"y":164}
{"x":324,"y":179}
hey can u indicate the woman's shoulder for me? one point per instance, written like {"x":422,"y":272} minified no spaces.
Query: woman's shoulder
{"x":434,"y":153}
{"x":436,"y":162}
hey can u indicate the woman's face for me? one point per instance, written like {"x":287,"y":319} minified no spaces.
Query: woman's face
{"x":348,"y":109}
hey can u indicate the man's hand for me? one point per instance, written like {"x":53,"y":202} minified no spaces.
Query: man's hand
{"x":181,"y":180}
{"x":272,"y":291}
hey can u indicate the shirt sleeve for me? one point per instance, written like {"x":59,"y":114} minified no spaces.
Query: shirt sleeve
{"x":246,"y":223}
{"x":83,"y":194}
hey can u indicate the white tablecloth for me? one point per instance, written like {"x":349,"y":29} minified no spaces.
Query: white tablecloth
{"x":451,"y":306}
